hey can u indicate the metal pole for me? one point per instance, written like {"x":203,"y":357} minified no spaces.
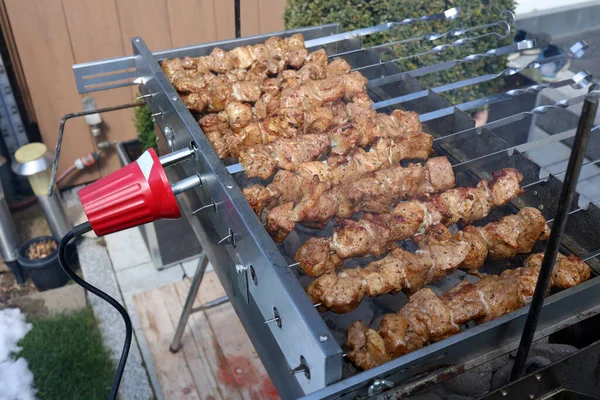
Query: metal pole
{"x":189,"y":302}
{"x":586,"y":121}
{"x":61,"y":131}
{"x":238,"y":23}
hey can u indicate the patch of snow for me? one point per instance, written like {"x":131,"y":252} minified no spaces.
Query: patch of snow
{"x":16,"y":380}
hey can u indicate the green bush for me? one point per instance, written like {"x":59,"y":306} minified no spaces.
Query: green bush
{"x":352,"y":14}
{"x":145,"y":128}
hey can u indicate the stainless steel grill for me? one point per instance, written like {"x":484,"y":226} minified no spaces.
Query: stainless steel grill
{"x":256,"y":272}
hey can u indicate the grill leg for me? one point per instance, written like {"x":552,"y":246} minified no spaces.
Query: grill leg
{"x":189,"y":302}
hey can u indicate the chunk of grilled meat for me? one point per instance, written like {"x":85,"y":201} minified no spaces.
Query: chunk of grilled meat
{"x":364,"y":191}
{"x":215,"y":96}
{"x":378,"y":233}
{"x":428,"y":318}
{"x":440,"y":253}
{"x":295,"y":179}
{"x":275,"y":53}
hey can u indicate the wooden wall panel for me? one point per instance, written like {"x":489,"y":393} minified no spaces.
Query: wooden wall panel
{"x":147,"y":19}
{"x":192,"y":23}
{"x":271,"y":15}
{"x":95,"y":35}
{"x":225,"y":15}
{"x":249,"y":17}
{"x":43,"y":41}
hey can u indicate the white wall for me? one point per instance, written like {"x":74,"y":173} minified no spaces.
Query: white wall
{"x":527,"y":6}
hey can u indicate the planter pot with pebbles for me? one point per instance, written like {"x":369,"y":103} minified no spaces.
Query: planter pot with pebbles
{"x":39,"y":257}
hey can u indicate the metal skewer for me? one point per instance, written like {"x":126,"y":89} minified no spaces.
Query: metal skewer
{"x":430,"y":69}
{"x":521,"y":148}
{"x":447,"y":15}
{"x":582,"y":77}
{"x":579,"y":81}
{"x":385,"y":47}
{"x":578,"y":47}
{"x":563,"y":172}
{"x":578,"y":210}
{"x":590,"y":257}
{"x":443,"y":47}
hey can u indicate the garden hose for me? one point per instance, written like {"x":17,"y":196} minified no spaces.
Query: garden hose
{"x":62,"y":258}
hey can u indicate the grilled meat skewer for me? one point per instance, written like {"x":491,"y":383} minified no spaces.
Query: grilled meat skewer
{"x":292,"y":186}
{"x":375,"y":192}
{"x":191,"y":80}
{"x":275,"y":53}
{"x":378,"y":233}
{"x":216,"y":93}
{"x":440,"y":253}
{"x":428,"y":318}
{"x":263,"y":161}
{"x":292,"y":122}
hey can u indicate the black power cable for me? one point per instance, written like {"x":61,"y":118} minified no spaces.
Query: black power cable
{"x":62,"y":259}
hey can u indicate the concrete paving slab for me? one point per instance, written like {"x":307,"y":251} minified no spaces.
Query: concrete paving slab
{"x":190,"y":266}
{"x":127,"y":249}
{"x":66,"y":299}
{"x":145,"y":277}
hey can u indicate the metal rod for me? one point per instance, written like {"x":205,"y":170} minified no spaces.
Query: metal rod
{"x":238,"y":22}
{"x":442,"y":47}
{"x":61,"y":131}
{"x":186,"y":184}
{"x":565,"y":103}
{"x":456,"y":32}
{"x":189,"y":302}
{"x":473,"y":81}
{"x":430,"y":69}
{"x":580,"y":80}
{"x":588,"y":114}
{"x":211,"y":304}
{"x":176,"y":157}
{"x":449,"y":14}
{"x":577,"y":210}
{"x":590,"y":257}
{"x":560,"y":173}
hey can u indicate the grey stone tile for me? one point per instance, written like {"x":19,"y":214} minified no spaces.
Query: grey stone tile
{"x":145,"y":277}
{"x":190,"y":266}
{"x":127,"y":249}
